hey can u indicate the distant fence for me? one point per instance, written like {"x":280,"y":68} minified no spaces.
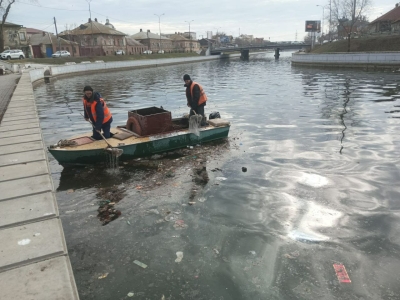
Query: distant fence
{"x":352,"y":59}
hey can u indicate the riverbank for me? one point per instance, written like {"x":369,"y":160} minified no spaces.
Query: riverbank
{"x":364,"y":44}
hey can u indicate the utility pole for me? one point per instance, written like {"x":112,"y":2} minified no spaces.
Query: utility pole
{"x":159,"y":28}
{"x":91,"y":25}
{"x":58,"y":39}
{"x":190,"y":36}
{"x":330,"y":20}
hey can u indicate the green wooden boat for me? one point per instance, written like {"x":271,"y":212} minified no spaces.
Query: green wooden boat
{"x":88,"y":151}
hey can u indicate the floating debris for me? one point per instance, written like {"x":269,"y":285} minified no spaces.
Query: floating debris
{"x":180,"y":224}
{"x":220,"y":178}
{"x":179,"y":256}
{"x":107,"y":213}
{"x":140,"y":264}
{"x":341,"y":273}
{"x":103,"y":276}
{"x":130,"y":294}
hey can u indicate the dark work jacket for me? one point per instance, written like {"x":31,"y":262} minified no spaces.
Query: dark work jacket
{"x":193,"y":100}
{"x":99,"y":110}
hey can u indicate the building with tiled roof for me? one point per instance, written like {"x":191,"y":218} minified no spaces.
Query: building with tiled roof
{"x":45,"y":44}
{"x":96,"y":39}
{"x":182,"y":44}
{"x":14,"y":37}
{"x":153,"y":41}
{"x":384,"y":22}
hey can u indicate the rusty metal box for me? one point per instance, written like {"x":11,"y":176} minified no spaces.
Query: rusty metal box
{"x":152,"y":120}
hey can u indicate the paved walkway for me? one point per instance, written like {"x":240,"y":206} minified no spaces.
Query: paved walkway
{"x":7,"y":86}
{"x":33,"y":256}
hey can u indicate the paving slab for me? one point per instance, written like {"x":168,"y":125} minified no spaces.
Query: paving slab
{"x":30,"y":243}
{"x":15,"y":118}
{"x":20,"y":148}
{"x":20,"y":132}
{"x":22,"y":91}
{"x":26,"y":121}
{"x":22,"y":98}
{"x":19,"y":140}
{"x":46,"y":280}
{"x":17,"y":127}
{"x":25,"y":187}
{"x":21,"y":157}
{"x":20,"y":113}
{"x":22,"y":104}
{"x":27,"y":210}
{"x":23,"y":170}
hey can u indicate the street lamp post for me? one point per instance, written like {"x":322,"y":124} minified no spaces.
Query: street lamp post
{"x":323,"y":16}
{"x":218,"y":36}
{"x":322,"y":23}
{"x":190,"y":36}
{"x":159,"y":28}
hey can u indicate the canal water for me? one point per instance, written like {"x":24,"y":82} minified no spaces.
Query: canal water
{"x":321,"y":148}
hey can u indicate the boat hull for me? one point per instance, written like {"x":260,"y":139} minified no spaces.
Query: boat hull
{"x":153,"y":145}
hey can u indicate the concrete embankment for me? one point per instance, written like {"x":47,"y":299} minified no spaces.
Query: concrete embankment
{"x":366,"y":60}
{"x":34,"y":263}
{"x":41,"y":74}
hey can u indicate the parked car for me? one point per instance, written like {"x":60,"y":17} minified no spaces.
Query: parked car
{"x":61,"y":54}
{"x":161,"y":51}
{"x":120,"y":52}
{"x":147,"y":52}
{"x":12,"y":54}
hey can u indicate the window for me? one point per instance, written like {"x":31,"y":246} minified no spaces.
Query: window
{"x":22,"y":36}
{"x":95,"y":41}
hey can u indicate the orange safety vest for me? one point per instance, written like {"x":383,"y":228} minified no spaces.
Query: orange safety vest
{"x":107,"y":112}
{"x":203,"y":96}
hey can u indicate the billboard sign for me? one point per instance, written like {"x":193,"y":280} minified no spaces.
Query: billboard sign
{"x":224,"y":39}
{"x":313,"y":26}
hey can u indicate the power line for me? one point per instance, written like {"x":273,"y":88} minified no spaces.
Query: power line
{"x":51,"y":7}
{"x":40,"y":6}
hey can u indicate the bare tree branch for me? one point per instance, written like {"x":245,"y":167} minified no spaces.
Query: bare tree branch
{"x":346,"y":13}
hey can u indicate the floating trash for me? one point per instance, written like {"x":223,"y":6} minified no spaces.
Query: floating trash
{"x":103,"y":276}
{"x":341,"y":273}
{"x":220,"y":178}
{"x":140,"y":264}
{"x":179,"y":256}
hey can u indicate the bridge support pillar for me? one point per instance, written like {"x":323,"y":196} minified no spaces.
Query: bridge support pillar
{"x":244,"y":54}
{"x":277,"y":53}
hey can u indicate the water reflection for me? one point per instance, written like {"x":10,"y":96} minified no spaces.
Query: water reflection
{"x":321,"y":148}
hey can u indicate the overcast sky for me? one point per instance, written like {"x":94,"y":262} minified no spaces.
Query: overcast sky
{"x":275,"y":19}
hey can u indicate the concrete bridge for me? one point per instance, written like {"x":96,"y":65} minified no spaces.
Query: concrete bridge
{"x":246,"y":49}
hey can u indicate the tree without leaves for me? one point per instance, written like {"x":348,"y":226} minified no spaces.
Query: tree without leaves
{"x":346,"y":13}
{"x":5,"y":6}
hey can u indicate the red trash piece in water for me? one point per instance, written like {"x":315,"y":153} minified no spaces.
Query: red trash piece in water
{"x":341,"y":273}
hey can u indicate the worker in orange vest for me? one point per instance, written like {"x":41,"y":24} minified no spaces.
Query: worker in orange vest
{"x":196,"y":97}
{"x":97,"y":112}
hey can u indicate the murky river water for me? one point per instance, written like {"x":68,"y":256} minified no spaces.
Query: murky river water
{"x":321,"y":148}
